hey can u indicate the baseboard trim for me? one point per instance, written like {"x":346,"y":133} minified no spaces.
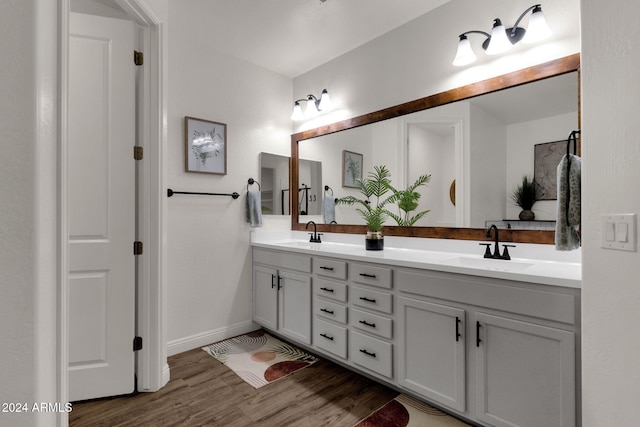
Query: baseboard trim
{"x":208,"y":337}
{"x":166,"y":375}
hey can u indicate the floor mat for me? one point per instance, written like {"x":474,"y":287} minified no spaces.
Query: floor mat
{"x":404,"y":411}
{"x":259,"y":358}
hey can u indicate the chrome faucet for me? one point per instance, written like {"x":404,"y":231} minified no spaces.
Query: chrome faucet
{"x":496,"y":250}
{"x":315,"y":237}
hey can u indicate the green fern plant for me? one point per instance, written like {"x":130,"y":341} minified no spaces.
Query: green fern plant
{"x":376,"y":186}
{"x":407,"y":201}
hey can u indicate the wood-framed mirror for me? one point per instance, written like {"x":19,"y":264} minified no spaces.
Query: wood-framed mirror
{"x":538,"y":73}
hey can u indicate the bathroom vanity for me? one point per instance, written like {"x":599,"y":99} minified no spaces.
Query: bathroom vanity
{"x":493,"y":341}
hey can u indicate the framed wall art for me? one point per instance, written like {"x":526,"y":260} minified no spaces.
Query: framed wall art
{"x":205,"y":146}
{"x":546,"y":159}
{"x":351,"y":168}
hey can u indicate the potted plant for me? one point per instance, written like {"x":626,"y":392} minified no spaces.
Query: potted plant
{"x":525,"y":195}
{"x":376,"y":186}
{"x":407,"y":201}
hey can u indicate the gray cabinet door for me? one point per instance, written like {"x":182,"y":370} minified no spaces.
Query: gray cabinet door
{"x":265,"y":296}
{"x":295,"y":306}
{"x":432,"y":351}
{"x":525,"y":373}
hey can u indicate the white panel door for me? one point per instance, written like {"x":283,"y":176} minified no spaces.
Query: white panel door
{"x":101,"y":207}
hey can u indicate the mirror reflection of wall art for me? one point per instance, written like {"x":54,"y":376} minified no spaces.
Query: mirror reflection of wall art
{"x":547,"y":157}
{"x":205,"y":146}
{"x":351,"y":168}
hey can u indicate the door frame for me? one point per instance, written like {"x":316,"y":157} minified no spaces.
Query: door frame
{"x":152,"y":370}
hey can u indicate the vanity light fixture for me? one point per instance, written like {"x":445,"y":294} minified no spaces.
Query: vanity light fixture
{"x":314,"y":106}
{"x":502,"y":39}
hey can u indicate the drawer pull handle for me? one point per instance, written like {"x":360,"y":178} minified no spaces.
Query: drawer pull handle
{"x":478,"y":340}
{"x":367,"y":353}
{"x":326,"y":336}
{"x":326,"y":268}
{"x":273,"y":278}
{"x":368,"y":299}
{"x":326,"y":311}
{"x":326,"y":290}
{"x":371,"y":276}
{"x":458,"y":329}
{"x":371,"y":325}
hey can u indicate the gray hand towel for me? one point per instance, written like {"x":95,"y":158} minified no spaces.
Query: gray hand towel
{"x":254,"y":208}
{"x":568,"y":214}
{"x":328,"y":209}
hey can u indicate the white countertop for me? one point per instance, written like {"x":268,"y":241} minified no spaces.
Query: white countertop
{"x":529,"y":262}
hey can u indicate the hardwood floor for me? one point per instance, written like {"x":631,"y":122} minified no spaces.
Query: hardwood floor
{"x":203,"y":392}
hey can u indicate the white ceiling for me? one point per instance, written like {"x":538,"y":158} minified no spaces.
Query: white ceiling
{"x":292,"y":37}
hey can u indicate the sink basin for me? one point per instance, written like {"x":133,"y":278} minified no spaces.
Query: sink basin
{"x":491,"y":264}
{"x":309,"y":245}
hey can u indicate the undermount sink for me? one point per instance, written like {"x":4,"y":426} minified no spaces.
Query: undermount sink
{"x":491,"y":264}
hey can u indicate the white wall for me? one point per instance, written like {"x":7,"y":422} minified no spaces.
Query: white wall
{"x":611,"y":156}
{"x":28,"y":213}
{"x":208,"y":253}
{"x":414,"y":61}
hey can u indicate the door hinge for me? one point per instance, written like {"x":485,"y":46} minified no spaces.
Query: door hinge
{"x":138,"y":57}
{"x":138,"y":152}
{"x":137,"y":248}
{"x":137,"y":343}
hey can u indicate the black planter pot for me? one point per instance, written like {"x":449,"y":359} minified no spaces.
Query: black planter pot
{"x":374,"y":241}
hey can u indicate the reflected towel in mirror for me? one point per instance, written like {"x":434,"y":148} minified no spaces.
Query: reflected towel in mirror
{"x":328,"y":209}
{"x":254,"y":209}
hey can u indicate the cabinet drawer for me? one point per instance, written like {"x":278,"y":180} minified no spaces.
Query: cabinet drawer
{"x":368,"y":298}
{"x":372,"y":323}
{"x":330,"y":310}
{"x":372,"y":353}
{"x":328,"y":289}
{"x":371,"y":275}
{"x":330,"y":337}
{"x":330,"y":268}
{"x":289,"y":261}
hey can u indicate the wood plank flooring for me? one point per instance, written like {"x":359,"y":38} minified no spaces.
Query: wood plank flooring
{"x":203,"y":392}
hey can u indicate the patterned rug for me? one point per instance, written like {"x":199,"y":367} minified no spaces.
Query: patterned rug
{"x":404,"y":411}
{"x":258,"y":358}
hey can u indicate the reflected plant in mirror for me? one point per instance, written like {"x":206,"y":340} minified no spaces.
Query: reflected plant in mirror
{"x":407,"y":201}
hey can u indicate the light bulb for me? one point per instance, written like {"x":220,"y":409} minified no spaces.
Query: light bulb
{"x":325,"y":101}
{"x":499,"y":41}
{"x":297,"y":112}
{"x":465,"y":53}
{"x":538,"y":28}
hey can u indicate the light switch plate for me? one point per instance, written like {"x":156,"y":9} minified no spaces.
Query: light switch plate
{"x":618,"y":232}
